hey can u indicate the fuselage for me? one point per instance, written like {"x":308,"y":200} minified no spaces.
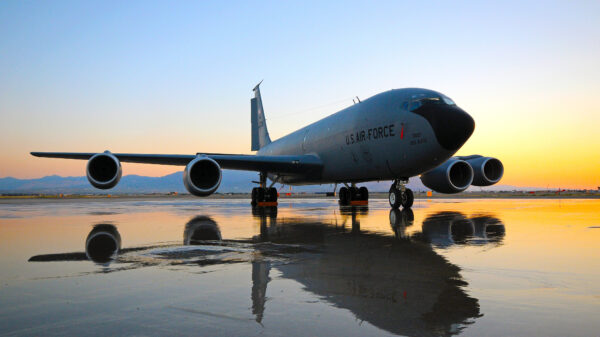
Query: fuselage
{"x":396,"y":134}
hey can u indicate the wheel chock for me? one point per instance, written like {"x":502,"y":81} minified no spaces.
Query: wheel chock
{"x":267,"y":204}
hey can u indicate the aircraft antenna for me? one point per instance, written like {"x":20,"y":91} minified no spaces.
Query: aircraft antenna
{"x":358,"y":99}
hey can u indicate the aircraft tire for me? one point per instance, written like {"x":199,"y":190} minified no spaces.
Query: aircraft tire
{"x":260,"y":194}
{"x":353,"y":193}
{"x":407,"y":198}
{"x":364,"y":193}
{"x":254,"y":196}
{"x":272,"y":194}
{"x":344,"y":196}
{"x":394,"y":197}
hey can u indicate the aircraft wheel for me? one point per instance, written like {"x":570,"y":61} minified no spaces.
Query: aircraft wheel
{"x":344,"y":196}
{"x":353,"y":193}
{"x":272,"y":194}
{"x":260,"y":194}
{"x":254,"y":196}
{"x":364,"y":193}
{"x":394,"y":197}
{"x":407,"y":198}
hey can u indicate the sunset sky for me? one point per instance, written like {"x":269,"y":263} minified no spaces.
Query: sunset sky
{"x":176,"y":77}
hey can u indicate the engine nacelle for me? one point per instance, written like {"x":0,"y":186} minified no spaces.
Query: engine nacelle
{"x":453,"y":176}
{"x":202,"y":176}
{"x":486,"y":170}
{"x":104,"y":170}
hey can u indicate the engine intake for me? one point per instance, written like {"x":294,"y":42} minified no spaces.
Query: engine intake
{"x":104,"y":170}
{"x":202,"y":176}
{"x":453,"y":176}
{"x":487,"y":170}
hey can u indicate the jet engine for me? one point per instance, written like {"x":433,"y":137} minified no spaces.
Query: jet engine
{"x":453,"y":176}
{"x":202,"y":176}
{"x":104,"y":170}
{"x":486,"y":170}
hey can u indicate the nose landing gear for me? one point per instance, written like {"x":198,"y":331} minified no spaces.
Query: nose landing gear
{"x":399,"y":195}
{"x":353,"y":195}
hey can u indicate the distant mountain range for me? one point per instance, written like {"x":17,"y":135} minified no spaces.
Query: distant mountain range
{"x":232,"y":182}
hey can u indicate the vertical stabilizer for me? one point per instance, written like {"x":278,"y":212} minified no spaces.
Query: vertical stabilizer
{"x":260,"y":134}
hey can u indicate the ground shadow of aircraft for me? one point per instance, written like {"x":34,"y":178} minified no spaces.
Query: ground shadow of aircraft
{"x":401,"y":286}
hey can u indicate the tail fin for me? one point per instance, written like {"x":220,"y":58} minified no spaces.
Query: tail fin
{"x":260,"y":134}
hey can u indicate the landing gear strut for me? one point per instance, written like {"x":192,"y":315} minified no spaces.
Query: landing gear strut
{"x":263,"y":193}
{"x":400,"y":195}
{"x":353,"y":193}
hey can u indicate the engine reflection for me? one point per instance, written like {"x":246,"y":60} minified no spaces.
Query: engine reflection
{"x":103,"y":244}
{"x":453,"y":228}
{"x":199,"y":229}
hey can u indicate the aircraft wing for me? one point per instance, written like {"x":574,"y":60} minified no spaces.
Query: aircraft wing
{"x":246,"y":162}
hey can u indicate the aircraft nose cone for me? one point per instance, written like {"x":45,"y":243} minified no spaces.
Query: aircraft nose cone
{"x":459,"y":126}
{"x":452,"y":125}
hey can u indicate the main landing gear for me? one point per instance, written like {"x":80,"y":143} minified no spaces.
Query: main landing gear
{"x":264,"y":194}
{"x":353,"y":193}
{"x":400,"y":195}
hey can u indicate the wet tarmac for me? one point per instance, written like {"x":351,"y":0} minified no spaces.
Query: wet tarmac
{"x":212,"y":267}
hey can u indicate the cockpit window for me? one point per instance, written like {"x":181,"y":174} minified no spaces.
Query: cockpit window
{"x":448,"y":100}
{"x":420,"y":100}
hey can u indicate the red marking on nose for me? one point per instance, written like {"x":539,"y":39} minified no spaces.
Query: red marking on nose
{"x":402,"y":132}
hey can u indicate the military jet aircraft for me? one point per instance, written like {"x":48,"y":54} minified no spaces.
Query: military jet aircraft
{"x":393,"y":135}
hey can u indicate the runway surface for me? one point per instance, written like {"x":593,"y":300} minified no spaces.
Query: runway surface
{"x":178,"y":266}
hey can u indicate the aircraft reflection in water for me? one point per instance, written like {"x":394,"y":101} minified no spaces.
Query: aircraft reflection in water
{"x":401,"y":286}
{"x":444,"y":229}
{"x":398,"y":284}
{"x":102,"y":246}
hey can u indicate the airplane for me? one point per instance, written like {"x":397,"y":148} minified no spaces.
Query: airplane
{"x":394,"y":135}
